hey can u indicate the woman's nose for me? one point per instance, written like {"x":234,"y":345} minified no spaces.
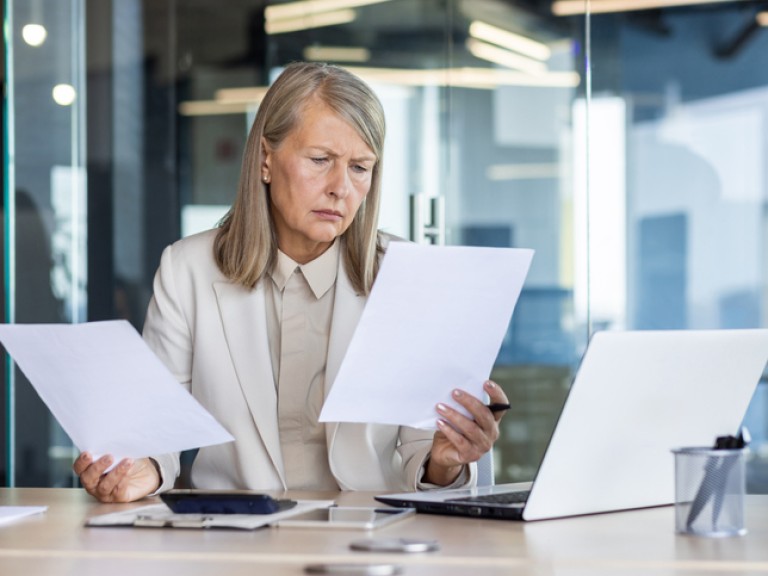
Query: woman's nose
{"x":338,"y":181}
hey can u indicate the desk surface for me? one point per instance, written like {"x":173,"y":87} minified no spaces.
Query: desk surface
{"x":625,"y":543}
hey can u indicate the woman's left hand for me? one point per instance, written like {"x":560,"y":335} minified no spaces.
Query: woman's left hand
{"x":459,"y":439}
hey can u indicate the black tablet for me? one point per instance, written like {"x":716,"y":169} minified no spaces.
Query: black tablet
{"x":223,"y":502}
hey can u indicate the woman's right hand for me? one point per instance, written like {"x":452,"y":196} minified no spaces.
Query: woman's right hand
{"x":128,"y":481}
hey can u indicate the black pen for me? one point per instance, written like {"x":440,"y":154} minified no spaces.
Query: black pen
{"x":498,"y":407}
{"x":715,"y":480}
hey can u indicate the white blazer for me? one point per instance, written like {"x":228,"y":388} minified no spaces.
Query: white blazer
{"x":212,"y":335}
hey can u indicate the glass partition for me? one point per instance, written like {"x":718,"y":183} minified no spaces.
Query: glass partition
{"x":692,"y":86}
{"x":45,"y":212}
{"x":480,"y":99}
{"x":624,"y":147}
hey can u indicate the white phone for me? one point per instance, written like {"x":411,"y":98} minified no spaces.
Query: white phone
{"x":347,"y":517}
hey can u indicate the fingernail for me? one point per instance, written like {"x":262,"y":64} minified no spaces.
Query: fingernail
{"x":457,"y":393}
{"x":442,"y":408}
{"x":490,"y":384}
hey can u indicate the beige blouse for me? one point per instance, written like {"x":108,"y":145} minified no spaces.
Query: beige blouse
{"x":299,"y":310}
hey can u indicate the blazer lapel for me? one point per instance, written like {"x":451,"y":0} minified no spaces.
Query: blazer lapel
{"x":347,"y":308}
{"x":243,"y":315}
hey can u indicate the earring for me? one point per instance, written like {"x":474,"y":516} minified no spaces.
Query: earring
{"x":265,"y":178}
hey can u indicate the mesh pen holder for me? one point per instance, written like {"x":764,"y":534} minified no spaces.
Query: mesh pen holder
{"x":709,"y":491}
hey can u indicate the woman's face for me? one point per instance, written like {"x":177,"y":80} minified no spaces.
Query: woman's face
{"x":318,"y":178}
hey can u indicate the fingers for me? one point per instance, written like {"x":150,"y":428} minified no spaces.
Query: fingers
{"x":90,"y":470}
{"x":475,"y":435}
{"x":463,"y":450}
{"x":496,"y":396}
{"x":479,"y":411}
{"x":83,"y":461}
{"x":109,"y":487}
{"x":97,"y":481}
{"x":471,"y":438}
{"x":495,"y":393}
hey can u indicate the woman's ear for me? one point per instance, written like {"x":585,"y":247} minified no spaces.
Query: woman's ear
{"x":266,"y":161}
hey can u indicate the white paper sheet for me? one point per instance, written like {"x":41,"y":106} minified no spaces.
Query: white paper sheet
{"x":434,"y":321}
{"x":108,"y":391}
{"x":10,"y":513}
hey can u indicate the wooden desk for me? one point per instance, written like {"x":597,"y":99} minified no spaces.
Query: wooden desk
{"x":626,"y":543}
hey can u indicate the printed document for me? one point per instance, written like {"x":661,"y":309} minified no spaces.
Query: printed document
{"x":434,"y":321}
{"x":108,"y":391}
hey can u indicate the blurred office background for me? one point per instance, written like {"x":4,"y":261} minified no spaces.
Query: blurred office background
{"x":625,"y":141}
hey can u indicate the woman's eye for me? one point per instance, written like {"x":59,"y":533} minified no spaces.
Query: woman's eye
{"x":359,"y":169}
{"x":319,"y":159}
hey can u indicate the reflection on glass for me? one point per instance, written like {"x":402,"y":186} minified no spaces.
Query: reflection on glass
{"x":643,"y":198}
{"x":63,"y":94}
{"x":34,"y":34}
{"x":599,"y":204}
{"x":695,"y":99}
{"x":47,"y":273}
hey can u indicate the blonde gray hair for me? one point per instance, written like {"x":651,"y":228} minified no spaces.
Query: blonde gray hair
{"x":246,"y":244}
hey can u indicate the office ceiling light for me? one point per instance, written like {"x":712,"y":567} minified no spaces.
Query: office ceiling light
{"x":64,"y":94}
{"x":572,"y":7}
{"x":227,"y":101}
{"x":503,"y":57}
{"x":248,"y":95}
{"x":336,"y":54}
{"x":34,"y":34}
{"x":236,"y":100}
{"x":309,"y":21}
{"x":306,"y":7}
{"x":479,"y":78}
{"x":501,"y":172}
{"x":212,"y":108}
{"x":306,"y":14}
{"x":762,"y":18}
{"x":509,"y":40}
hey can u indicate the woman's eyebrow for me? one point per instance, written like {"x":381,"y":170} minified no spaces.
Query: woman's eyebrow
{"x":331,"y":152}
{"x":366,"y":158}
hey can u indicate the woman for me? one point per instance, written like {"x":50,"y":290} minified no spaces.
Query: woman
{"x":254,"y":317}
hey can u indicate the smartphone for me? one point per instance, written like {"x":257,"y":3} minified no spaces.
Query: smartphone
{"x":355,"y":569}
{"x":223,"y":502}
{"x":347,"y":517}
{"x":395,"y":545}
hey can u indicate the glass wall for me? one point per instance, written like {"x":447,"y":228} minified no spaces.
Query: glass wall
{"x":637,"y":180}
{"x":45,"y":211}
{"x":692,"y":86}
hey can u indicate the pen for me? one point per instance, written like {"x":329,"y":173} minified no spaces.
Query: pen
{"x":498,"y":407}
{"x":715,"y":480}
{"x":727,"y":443}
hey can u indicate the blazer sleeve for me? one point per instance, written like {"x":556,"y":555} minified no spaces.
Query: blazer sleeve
{"x":167,"y":332}
{"x":414,"y":449}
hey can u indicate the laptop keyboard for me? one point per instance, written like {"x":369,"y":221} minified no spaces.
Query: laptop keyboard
{"x":516,"y":497}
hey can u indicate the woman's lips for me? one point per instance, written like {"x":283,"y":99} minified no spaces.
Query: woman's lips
{"x":331,"y":215}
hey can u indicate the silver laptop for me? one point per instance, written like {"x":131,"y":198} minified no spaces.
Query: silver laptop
{"x":636,"y":396}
